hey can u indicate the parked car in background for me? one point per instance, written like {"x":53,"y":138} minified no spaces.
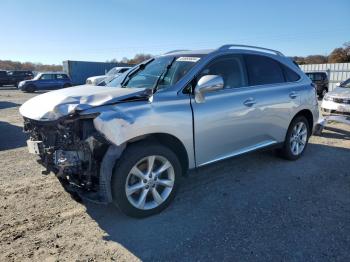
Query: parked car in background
{"x":130,"y":145}
{"x":337,"y":102}
{"x":3,"y":77}
{"x":115,"y":71}
{"x":14,"y":77}
{"x":344,"y":83}
{"x":116,"y":81}
{"x":46,"y":81}
{"x":320,"y":79}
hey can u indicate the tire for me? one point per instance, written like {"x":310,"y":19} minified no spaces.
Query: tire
{"x":66,"y":85}
{"x":30,"y":89}
{"x":324,"y":92}
{"x":139,"y":155}
{"x":289,"y":150}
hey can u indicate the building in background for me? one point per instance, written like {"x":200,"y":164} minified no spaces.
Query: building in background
{"x":79,"y":71}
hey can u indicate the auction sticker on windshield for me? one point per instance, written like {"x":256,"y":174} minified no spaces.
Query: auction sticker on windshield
{"x":188,"y":59}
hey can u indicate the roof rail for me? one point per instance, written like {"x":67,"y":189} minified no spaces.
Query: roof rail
{"x":174,"y":51}
{"x":226,"y":47}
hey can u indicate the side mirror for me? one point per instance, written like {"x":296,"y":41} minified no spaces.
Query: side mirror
{"x":206,"y":84}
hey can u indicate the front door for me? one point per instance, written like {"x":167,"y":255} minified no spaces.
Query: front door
{"x":225,"y":124}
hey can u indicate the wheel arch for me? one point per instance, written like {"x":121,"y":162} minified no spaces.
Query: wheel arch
{"x":169,"y":141}
{"x":31,"y":87}
{"x":309,"y":117}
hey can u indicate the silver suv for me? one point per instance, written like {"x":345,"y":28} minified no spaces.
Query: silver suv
{"x":130,"y":144}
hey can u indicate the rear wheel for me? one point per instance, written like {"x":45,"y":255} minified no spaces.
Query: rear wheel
{"x":296,"y":139}
{"x":66,"y":85}
{"x":145,"y":179}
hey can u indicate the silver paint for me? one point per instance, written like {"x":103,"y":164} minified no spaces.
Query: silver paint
{"x":227,"y":123}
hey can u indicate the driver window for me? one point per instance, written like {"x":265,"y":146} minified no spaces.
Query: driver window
{"x":230,"y":68}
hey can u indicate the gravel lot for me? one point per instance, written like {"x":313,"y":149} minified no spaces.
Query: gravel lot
{"x":254,"y":207}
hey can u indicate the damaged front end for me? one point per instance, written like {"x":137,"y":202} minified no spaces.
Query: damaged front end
{"x":71,"y":148}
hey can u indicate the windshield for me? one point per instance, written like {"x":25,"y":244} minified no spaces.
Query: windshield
{"x":161,"y":73}
{"x":115,"y":82}
{"x":345,"y":84}
{"x":113,"y":71}
{"x":316,"y":76}
{"x":37,"y":76}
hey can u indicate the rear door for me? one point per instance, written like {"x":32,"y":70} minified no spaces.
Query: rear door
{"x":277,"y":95}
{"x":60,"y":80}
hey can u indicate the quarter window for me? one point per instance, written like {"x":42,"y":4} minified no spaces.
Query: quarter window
{"x":290,"y":75}
{"x":263,"y":70}
{"x":230,"y":68}
{"x":61,"y":76}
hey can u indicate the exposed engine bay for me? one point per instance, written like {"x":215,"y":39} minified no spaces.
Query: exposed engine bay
{"x":70,"y":147}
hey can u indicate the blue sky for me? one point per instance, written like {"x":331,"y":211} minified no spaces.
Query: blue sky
{"x":52,"y":31}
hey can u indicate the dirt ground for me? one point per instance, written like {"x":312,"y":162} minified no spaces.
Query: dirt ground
{"x":254,"y":207}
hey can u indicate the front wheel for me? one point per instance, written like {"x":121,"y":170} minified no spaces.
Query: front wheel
{"x":296,"y":139}
{"x":30,"y":89}
{"x":145,"y":179}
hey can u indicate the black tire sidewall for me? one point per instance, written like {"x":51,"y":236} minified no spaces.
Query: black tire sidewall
{"x":130,"y":157}
{"x":287,"y":146}
{"x":30,"y":89}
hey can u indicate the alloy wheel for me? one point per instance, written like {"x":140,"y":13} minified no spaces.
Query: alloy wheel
{"x":298,"y":138}
{"x":150,"y":182}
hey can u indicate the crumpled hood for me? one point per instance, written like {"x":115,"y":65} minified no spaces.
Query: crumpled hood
{"x":56,"y":104}
{"x":340,"y":92}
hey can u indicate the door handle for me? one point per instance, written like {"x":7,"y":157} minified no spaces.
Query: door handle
{"x":249,"y":102}
{"x":293,"y":95}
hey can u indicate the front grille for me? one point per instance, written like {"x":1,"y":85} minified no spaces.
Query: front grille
{"x":339,"y":100}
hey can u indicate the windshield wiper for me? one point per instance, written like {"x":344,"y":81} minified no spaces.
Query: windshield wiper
{"x":162,"y":75}
{"x":131,"y":73}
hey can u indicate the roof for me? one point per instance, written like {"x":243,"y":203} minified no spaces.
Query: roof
{"x":189,"y":52}
{"x":53,"y":72}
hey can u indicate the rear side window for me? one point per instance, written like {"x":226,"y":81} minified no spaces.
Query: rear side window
{"x":263,"y":70}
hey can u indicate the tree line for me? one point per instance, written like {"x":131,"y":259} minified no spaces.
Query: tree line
{"x":338,"y":55}
{"x":14,"y":65}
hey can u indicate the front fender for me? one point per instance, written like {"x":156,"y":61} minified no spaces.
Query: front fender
{"x":122,"y":123}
